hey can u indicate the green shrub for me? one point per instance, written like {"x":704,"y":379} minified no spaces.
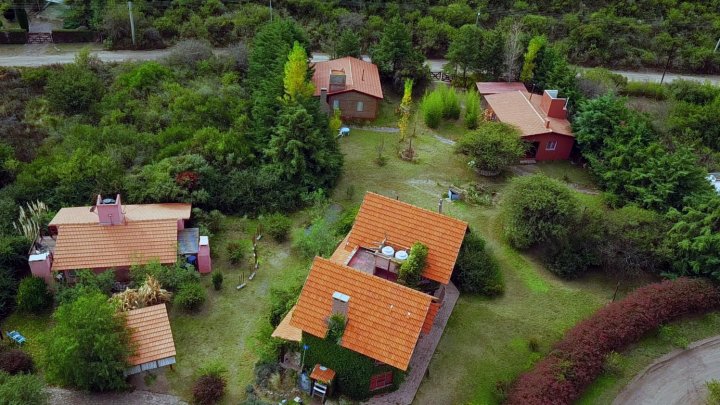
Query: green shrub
{"x":653,"y":90}
{"x":217,"y":280}
{"x":190,"y":296}
{"x":713,"y":387}
{"x":277,"y":226}
{"x":411,"y":269}
{"x":22,"y":389}
{"x":16,"y":361}
{"x":476,"y":270}
{"x":537,"y":209}
{"x":8,"y":288}
{"x":74,"y":90}
{"x":431,"y":107}
{"x":238,"y":250}
{"x":450,"y":102}
{"x":317,"y":240}
{"x":693,"y":92}
{"x":33,"y":295}
{"x":170,"y":277}
{"x":494,"y":147}
{"x":472,"y":110}
{"x":345,"y":223}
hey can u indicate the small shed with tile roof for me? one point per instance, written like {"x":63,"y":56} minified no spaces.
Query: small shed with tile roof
{"x":400,"y":224}
{"x":151,"y":338}
{"x":350,"y":85}
{"x":384,"y":319}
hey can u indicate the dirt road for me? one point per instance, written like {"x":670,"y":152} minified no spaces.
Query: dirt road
{"x":677,"y":378}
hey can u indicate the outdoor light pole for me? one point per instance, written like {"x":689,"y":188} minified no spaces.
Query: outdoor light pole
{"x":132,"y":22}
{"x":477,"y":18}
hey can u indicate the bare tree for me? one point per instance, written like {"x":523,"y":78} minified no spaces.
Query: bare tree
{"x":513,"y":50}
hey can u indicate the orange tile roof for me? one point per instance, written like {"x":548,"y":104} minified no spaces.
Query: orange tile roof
{"x":90,"y":246}
{"x":151,"y":335}
{"x":286,"y":331}
{"x":430,"y":319}
{"x":325,"y":376}
{"x":485,"y":88}
{"x":404,"y":224}
{"x":343,"y":253}
{"x":518,"y":109}
{"x":360,"y":76}
{"x":384,"y":319}
{"x":133,"y":212}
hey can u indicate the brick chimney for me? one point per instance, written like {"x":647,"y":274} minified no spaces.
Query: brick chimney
{"x":337,"y":80}
{"x":324,"y":106}
{"x":340,"y":303}
{"x":552,"y":105}
{"x":109,"y":211}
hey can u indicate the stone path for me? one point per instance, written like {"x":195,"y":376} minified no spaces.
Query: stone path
{"x":677,"y":378}
{"x":389,"y":130}
{"x":421,"y":357}
{"x":61,"y":396}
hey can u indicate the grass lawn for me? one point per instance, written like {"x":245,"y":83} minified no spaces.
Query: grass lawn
{"x":221,"y":331}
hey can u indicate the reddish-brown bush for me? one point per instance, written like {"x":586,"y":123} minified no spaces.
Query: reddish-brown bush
{"x":15,"y":361}
{"x":208,"y":389}
{"x":578,"y":358}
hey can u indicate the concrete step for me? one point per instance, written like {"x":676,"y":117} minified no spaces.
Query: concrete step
{"x":39,"y":38}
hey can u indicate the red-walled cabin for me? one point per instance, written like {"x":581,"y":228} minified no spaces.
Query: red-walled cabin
{"x":542,"y":119}
{"x":111,"y":235}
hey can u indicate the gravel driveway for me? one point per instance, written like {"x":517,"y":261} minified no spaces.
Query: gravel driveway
{"x":677,"y":378}
{"x":61,"y":396}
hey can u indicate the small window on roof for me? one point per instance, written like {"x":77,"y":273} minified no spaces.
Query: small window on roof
{"x":551,"y":145}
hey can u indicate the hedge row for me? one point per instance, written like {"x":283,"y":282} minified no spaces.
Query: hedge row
{"x":577,"y":360}
{"x":72,"y":36}
{"x":13,"y":36}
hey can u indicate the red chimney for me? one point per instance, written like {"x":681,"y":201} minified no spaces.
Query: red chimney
{"x":552,"y":105}
{"x":109,"y":211}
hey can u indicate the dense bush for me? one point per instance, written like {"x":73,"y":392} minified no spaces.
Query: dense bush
{"x":8,"y":289}
{"x":578,"y":358}
{"x":190,"y":296}
{"x":694,"y":239}
{"x":493,"y":147}
{"x":432,"y":109}
{"x":210,"y":386}
{"x":693,"y":92}
{"x":75,"y":90}
{"x":22,"y":389}
{"x":476,"y":269}
{"x":89,"y":346}
{"x":277,"y":226}
{"x":188,"y":53}
{"x":217,"y":280}
{"x":319,"y":239}
{"x":238,"y":250}
{"x":345,"y":223}
{"x":472,"y":110}
{"x":653,"y":90}
{"x":15,"y":361}
{"x":450,"y":102}
{"x":537,"y":209}
{"x":170,"y":277}
{"x":33,"y":295}
{"x":412,"y":268}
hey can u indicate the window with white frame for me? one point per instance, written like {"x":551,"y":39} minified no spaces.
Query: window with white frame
{"x":360,"y":106}
{"x":551,"y":145}
{"x":336,"y":104}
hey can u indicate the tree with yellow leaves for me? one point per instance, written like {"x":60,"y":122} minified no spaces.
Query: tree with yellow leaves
{"x":405,"y":110}
{"x":296,"y":80}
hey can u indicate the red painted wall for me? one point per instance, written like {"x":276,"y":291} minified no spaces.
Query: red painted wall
{"x":562,"y":150}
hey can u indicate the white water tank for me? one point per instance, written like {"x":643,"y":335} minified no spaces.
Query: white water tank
{"x":388,"y":251}
{"x":401,"y":255}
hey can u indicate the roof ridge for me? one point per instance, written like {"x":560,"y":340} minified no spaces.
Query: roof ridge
{"x":394,"y":201}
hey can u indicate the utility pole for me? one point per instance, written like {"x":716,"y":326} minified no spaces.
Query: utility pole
{"x":132,"y":22}
{"x":477,"y":18}
{"x":271,"y":13}
{"x":717,"y":45}
{"x":669,"y":60}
